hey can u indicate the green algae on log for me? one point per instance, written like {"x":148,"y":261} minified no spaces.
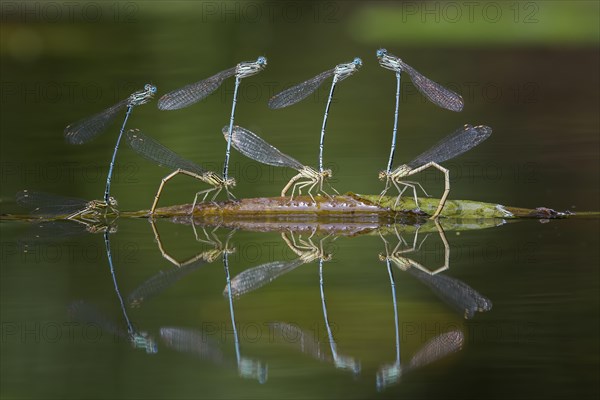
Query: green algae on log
{"x":349,"y":205}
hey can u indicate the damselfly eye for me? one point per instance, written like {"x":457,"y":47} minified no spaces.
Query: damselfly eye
{"x":381,"y":52}
{"x":262,"y":60}
{"x":357,"y":61}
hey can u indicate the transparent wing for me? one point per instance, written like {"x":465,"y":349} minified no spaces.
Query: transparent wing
{"x":88,"y":128}
{"x":161,"y":281}
{"x":435,"y":92}
{"x":191,"y":341}
{"x":254,"y":147}
{"x":453,"y":145}
{"x":254,"y":278}
{"x":299,"y":92}
{"x":305,"y":341}
{"x":437,"y":348}
{"x":49,"y":204}
{"x":154,"y":151}
{"x":194,"y":92}
{"x":85,"y":312}
{"x":454,"y":292}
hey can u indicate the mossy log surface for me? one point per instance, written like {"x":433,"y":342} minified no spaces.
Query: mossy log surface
{"x":351,"y":206}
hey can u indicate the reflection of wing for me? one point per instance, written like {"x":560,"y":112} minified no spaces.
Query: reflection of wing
{"x":194,"y":92}
{"x":299,"y":92}
{"x":254,"y":278}
{"x":304,"y":341}
{"x":50,"y":231}
{"x":437,"y":348}
{"x":161,"y":281}
{"x":454,"y":292}
{"x":84,"y":312}
{"x":193,"y":342}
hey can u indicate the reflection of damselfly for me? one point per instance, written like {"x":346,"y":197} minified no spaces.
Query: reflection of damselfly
{"x":154,"y":151}
{"x":307,"y":252}
{"x":216,"y":246}
{"x":247,"y":367}
{"x":437,"y":348}
{"x":398,"y":257}
{"x":84,"y":312}
{"x":256,"y":277}
{"x":164,"y":279}
{"x":50,"y":205}
{"x":456,"y":293}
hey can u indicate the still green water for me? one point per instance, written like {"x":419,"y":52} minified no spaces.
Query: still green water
{"x":535,"y":83}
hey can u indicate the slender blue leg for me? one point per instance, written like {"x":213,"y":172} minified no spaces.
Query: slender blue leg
{"x":393,"y":148}
{"x":227,"y":152}
{"x":114,"y":156}
{"x":335,"y":78}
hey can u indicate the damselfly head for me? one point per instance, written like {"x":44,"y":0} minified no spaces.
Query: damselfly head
{"x":326,"y":173}
{"x":383,"y":175}
{"x":230,"y":182}
{"x":249,"y":68}
{"x":389,"y":61}
{"x":357,"y":61}
{"x":112,"y":202}
{"x":142,"y":96}
{"x":403,"y":263}
{"x":150,"y":88}
{"x":382,"y":257}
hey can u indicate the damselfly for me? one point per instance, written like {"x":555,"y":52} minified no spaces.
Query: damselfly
{"x":86,"y":129}
{"x":301,"y":91}
{"x":254,"y":147}
{"x":154,"y":151}
{"x":462,"y":140}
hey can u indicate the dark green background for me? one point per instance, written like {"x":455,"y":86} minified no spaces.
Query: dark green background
{"x":530,"y":72}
